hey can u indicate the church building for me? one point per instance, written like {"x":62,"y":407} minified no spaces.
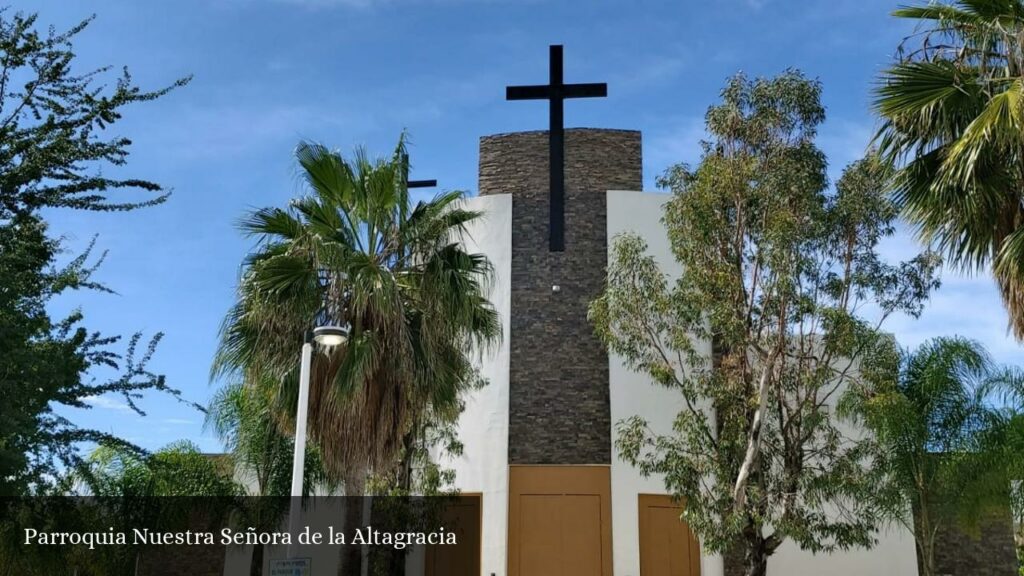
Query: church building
{"x":539,"y":440}
{"x":544,"y":491}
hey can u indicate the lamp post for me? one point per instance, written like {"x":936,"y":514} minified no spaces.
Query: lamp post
{"x":328,"y":336}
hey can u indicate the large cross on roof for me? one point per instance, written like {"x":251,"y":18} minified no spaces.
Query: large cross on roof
{"x":556,"y":91}
{"x":415,"y":183}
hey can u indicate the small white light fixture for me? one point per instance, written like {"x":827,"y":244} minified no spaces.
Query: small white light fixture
{"x":330,"y":335}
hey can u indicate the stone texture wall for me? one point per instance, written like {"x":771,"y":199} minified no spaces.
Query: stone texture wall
{"x":558,"y":405}
{"x":988,"y":553}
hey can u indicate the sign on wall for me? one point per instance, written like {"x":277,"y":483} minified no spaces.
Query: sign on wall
{"x":291,"y":567}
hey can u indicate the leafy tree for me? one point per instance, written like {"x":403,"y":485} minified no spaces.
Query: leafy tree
{"x":952,"y":115}
{"x":943,"y":445}
{"x":775,"y":270}
{"x":172,"y":489}
{"x":179,"y":469}
{"x":355,"y":251}
{"x":52,"y":151}
{"x":175,"y":488}
{"x":52,"y":121}
{"x":1010,"y":395}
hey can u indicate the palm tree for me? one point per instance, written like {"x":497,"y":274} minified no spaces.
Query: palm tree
{"x":243,"y":418}
{"x":952,"y":112}
{"x":356,"y":251}
{"x":943,"y":440}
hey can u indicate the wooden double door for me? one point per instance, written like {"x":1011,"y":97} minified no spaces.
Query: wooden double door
{"x":559,"y":521}
{"x":667,"y":546}
{"x":560,"y":525}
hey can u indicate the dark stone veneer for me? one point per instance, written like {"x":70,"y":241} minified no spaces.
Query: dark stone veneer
{"x":989,"y":552}
{"x":558,"y":405}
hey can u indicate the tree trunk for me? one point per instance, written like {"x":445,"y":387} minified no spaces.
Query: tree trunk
{"x":396,"y":558}
{"x":926,"y":549}
{"x":351,"y":557}
{"x":924,"y":532}
{"x":756,"y":566}
{"x":755,"y":557}
{"x":757,"y":548}
{"x":256,"y":562}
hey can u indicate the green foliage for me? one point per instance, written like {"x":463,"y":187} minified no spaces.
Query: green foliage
{"x":261,"y":455}
{"x":44,"y":363}
{"x":945,"y":444}
{"x":155,"y":490}
{"x":52,"y":120}
{"x":52,"y":150}
{"x":175,"y":488}
{"x":776,"y":268}
{"x":952,"y":116}
{"x":243,"y":418}
{"x":356,"y":252}
{"x":178,"y":469}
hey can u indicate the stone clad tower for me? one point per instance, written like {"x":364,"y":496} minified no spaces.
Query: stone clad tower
{"x":554,"y":498}
{"x":558,"y":397}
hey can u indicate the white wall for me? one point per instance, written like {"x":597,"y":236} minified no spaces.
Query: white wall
{"x":633,"y":394}
{"x":483,"y":426}
{"x":893,"y":556}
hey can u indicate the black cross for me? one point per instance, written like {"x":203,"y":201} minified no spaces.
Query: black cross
{"x":415,"y":183}
{"x":556,"y":91}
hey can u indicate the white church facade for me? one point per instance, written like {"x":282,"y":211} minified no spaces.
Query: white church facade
{"x":539,"y":465}
{"x":539,"y":439}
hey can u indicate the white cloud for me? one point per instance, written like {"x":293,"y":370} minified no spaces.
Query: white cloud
{"x":653,"y":70}
{"x":178,"y":421}
{"x":967,"y":305}
{"x":107,"y":403}
{"x":229,"y":128}
{"x":219,"y":131}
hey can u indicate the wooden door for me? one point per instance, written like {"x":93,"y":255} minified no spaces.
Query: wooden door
{"x":667,"y":546}
{"x":559,"y":521}
{"x":462,"y":516}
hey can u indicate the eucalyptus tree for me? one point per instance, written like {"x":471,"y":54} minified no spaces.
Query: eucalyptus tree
{"x":945,"y":448}
{"x":356,"y":251}
{"x":776,"y":268}
{"x":952,"y":115}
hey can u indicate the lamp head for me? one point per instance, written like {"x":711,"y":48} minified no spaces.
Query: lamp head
{"x":330,"y":335}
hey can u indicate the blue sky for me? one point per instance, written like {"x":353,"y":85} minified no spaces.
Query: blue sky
{"x":356,"y":72}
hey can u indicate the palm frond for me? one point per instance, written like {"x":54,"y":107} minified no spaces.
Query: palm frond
{"x":355,"y":251}
{"x":953,"y":116}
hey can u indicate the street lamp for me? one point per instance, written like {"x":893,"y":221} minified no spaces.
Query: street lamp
{"x":328,"y":336}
